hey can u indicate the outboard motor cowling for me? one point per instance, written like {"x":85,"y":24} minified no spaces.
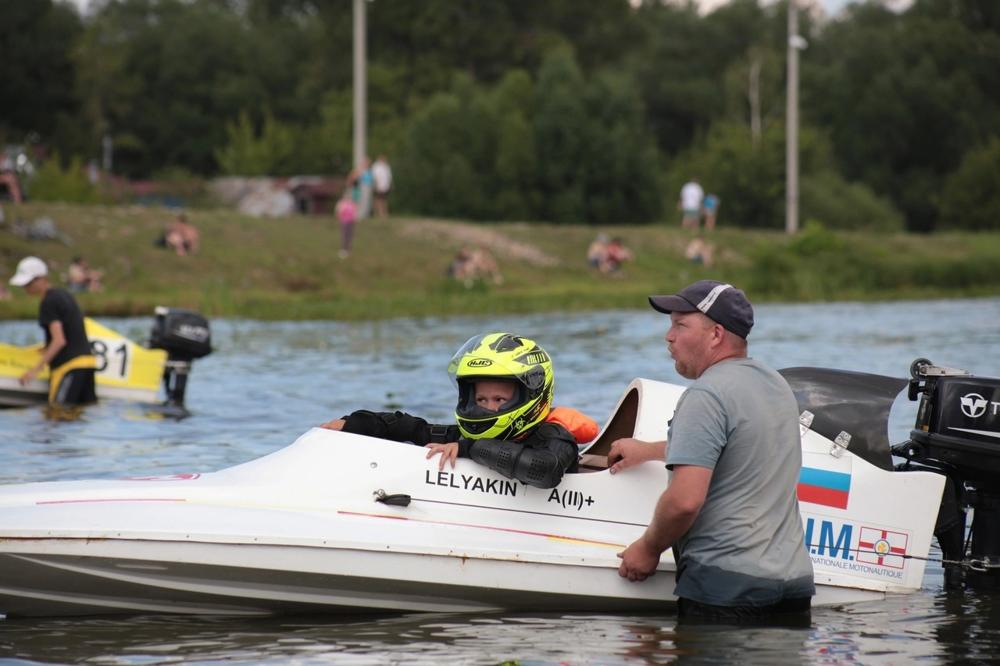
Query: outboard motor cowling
{"x":182,"y":333}
{"x":957,"y":433}
{"x":185,"y":336}
{"x":958,"y":420}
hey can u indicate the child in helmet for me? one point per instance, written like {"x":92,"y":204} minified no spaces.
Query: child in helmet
{"x":504,"y":413}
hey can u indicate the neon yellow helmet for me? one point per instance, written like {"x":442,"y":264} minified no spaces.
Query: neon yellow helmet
{"x":502,"y":357}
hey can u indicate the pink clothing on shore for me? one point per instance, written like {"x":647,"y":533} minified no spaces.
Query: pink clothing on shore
{"x":347,"y":211}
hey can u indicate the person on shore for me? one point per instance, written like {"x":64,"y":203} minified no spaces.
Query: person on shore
{"x":616,"y":255}
{"x":608,"y":255}
{"x":67,"y":349}
{"x":347,"y":214}
{"x":80,"y":277}
{"x":181,"y":236}
{"x":382,"y":184}
{"x":690,"y":202}
{"x":472,"y":264}
{"x":505,"y":418}
{"x":700,"y":252}
{"x":710,"y":208}
{"x":362,"y":181}
{"x":730,"y":509}
{"x":597,"y":252}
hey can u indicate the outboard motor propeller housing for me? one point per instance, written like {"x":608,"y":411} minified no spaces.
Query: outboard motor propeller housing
{"x":185,"y":336}
{"x":957,"y":433}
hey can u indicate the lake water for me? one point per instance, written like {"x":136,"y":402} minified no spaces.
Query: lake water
{"x":268,"y":381}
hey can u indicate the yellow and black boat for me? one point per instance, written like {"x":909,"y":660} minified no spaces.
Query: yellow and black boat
{"x":125,"y":370}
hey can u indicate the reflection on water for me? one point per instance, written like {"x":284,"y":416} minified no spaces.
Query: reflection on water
{"x":428,"y":639}
{"x":267,"y":382}
{"x":930,"y":628}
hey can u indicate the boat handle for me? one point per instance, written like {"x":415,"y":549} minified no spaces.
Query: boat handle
{"x":397,"y":499}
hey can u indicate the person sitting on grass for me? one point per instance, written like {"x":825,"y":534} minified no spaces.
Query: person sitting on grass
{"x":597,"y":253}
{"x":81,"y":277}
{"x":181,"y":236}
{"x":617,"y":254}
{"x":505,"y":416}
{"x":472,"y":264}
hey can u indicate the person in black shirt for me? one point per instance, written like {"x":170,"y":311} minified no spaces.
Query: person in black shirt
{"x":67,"y":349}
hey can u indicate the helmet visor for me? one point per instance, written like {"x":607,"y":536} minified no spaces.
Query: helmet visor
{"x":474,"y":361}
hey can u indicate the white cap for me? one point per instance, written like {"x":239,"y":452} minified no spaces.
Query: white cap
{"x":27,"y":270}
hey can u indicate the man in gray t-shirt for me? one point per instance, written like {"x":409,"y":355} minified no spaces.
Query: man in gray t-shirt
{"x":730,"y":510}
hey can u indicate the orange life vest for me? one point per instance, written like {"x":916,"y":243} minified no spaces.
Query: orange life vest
{"x":583,"y":428}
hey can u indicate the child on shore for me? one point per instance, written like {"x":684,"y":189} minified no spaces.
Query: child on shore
{"x":347,"y":215}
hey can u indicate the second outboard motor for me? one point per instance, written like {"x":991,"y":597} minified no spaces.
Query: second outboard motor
{"x":185,"y":336}
{"x":957,"y":433}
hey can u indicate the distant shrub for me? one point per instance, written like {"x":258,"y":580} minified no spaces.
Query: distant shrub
{"x":828,"y":198}
{"x":971,"y":198}
{"x":52,"y":182}
{"x":771,"y":271}
{"x":816,"y":263}
{"x":269,"y":152}
{"x":815,"y":240}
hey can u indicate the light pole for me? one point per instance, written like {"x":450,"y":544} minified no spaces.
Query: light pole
{"x":360,"y":84}
{"x":107,"y":150}
{"x":795,"y":43}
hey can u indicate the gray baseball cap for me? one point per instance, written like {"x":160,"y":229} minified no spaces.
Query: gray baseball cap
{"x":722,"y":303}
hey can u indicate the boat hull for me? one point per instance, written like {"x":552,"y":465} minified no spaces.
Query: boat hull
{"x":58,"y":577}
{"x":157,"y":577}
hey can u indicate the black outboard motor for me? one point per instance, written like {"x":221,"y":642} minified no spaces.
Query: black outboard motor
{"x":957,"y":433}
{"x":185,"y":336}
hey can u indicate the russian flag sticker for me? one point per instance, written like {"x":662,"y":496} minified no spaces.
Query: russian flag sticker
{"x":820,"y":486}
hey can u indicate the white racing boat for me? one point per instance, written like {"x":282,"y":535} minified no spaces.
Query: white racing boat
{"x":337,"y":522}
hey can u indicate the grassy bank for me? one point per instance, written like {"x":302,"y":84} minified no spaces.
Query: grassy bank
{"x":289,"y":268}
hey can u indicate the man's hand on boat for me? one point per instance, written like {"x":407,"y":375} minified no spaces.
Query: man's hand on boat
{"x":24,"y":379}
{"x":639,"y":561}
{"x":449,"y":451}
{"x":628,"y":451}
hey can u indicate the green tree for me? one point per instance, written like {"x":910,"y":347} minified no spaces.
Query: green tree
{"x":441,"y":171}
{"x":679,"y":88}
{"x":181,"y":77}
{"x":516,"y":165}
{"x":560,"y":123}
{"x":563,"y":149}
{"x":682,"y":63}
{"x":620,"y":161}
{"x":271,"y":152}
{"x":904,"y":96}
{"x":748,"y":179}
{"x":334,"y":135}
{"x":36,"y":69}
